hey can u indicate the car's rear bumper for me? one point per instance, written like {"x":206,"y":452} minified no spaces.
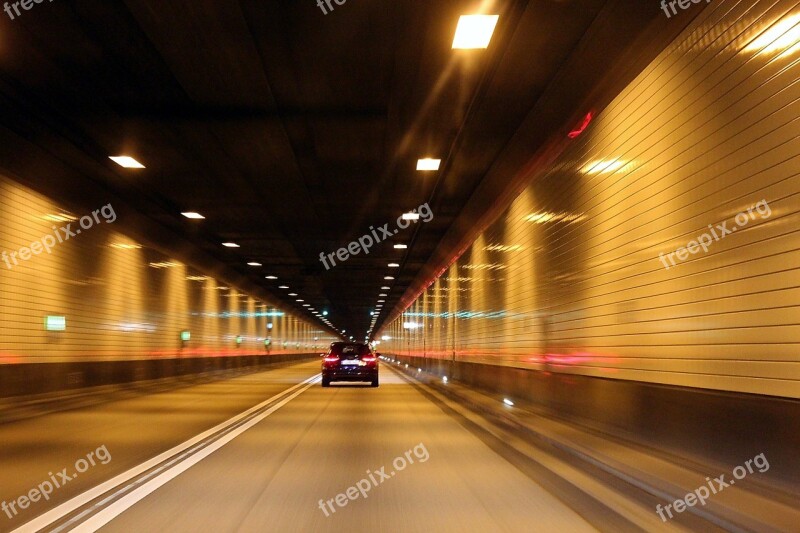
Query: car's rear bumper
{"x":355,"y":374}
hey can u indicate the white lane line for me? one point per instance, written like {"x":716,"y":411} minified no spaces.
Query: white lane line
{"x":71,"y":505}
{"x":118,"y":507}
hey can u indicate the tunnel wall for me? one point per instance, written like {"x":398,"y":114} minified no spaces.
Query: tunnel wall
{"x":32,"y":379}
{"x":708,"y":427}
{"x":112,"y":298}
{"x":612,"y":264}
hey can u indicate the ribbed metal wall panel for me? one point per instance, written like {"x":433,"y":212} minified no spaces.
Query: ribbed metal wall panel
{"x":121,"y":299}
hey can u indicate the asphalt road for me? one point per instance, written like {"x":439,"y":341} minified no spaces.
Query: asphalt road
{"x":419,"y":469}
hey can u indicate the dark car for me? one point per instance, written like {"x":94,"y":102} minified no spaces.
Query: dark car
{"x":350,"y":361}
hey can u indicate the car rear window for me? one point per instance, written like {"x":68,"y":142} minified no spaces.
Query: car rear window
{"x":349,"y":349}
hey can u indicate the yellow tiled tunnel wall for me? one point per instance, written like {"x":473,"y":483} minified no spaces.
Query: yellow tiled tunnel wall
{"x":572,"y":277}
{"x":121,"y":299}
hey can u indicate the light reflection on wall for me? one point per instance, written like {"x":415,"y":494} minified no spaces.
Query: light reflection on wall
{"x":437,"y":326}
{"x":176,"y":303}
{"x":522,"y":295}
{"x":124,"y":304}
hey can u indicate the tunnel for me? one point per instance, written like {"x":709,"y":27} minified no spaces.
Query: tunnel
{"x":399,"y":266}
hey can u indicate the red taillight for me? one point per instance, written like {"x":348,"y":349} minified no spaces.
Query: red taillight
{"x":332,"y":359}
{"x":369,"y":358}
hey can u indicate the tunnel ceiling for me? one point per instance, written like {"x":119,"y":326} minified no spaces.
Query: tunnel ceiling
{"x":291,"y":131}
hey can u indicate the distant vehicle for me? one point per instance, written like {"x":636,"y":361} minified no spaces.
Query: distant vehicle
{"x":350,"y":361}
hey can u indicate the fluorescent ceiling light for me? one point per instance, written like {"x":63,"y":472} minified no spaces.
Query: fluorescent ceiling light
{"x":292,"y":294}
{"x":61,"y":217}
{"x":164,"y":264}
{"x":193,"y":215}
{"x":782,"y":36}
{"x":394,"y":265}
{"x":381,"y":296}
{"x":388,"y":277}
{"x":503,"y":247}
{"x":428,"y":165}
{"x":271,"y":277}
{"x":385,"y":288}
{"x":400,"y":246}
{"x":254,"y":264}
{"x":410,"y":216}
{"x":474,"y":31}
{"x":603,"y":166}
{"x":126,"y":161}
{"x":299,"y":300}
{"x":541,"y":218}
{"x":230,"y":245}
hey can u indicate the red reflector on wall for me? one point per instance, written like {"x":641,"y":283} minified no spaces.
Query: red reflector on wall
{"x":586,"y":121}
